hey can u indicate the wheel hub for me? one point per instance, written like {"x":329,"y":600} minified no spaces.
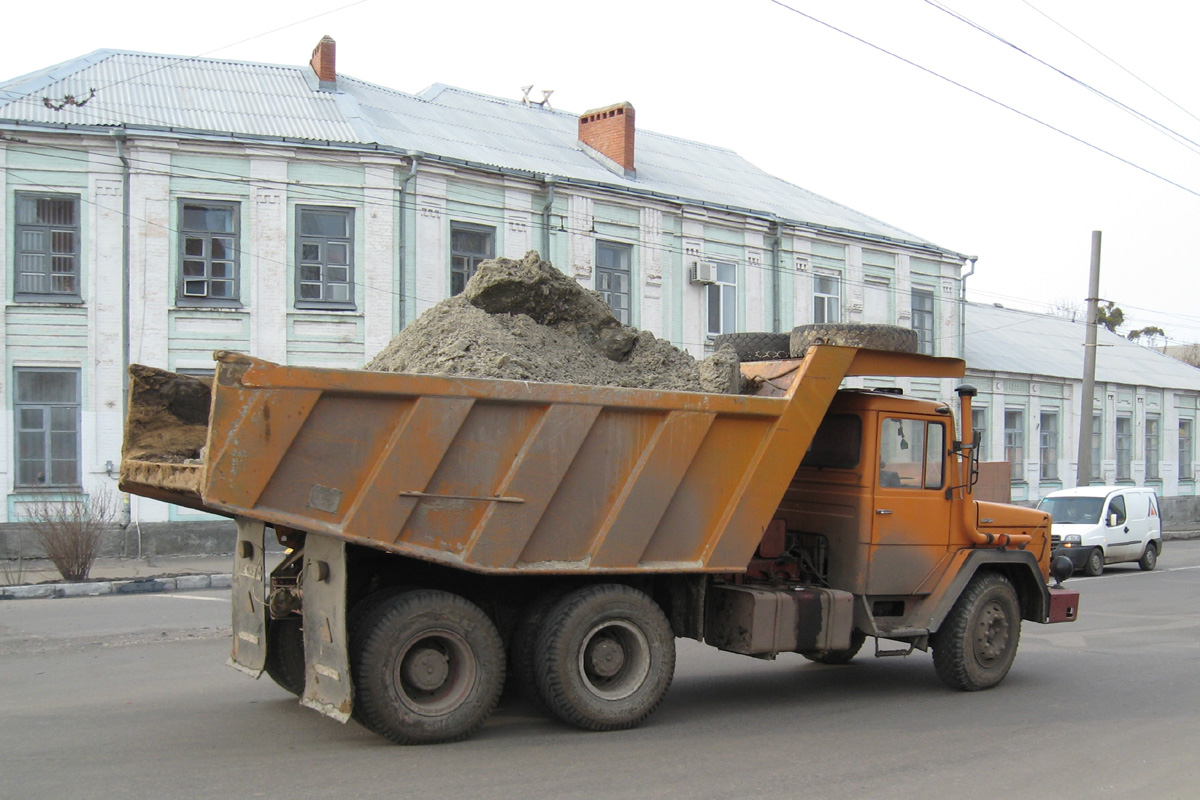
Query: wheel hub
{"x":991,"y":637}
{"x":426,"y":668}
{"x":605,"y":657}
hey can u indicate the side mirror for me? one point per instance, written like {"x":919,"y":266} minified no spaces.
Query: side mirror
{"x":1113,"y":520}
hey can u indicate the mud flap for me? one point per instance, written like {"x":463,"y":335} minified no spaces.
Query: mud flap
{"x":327,"y":686}
{"x":249,"y":611}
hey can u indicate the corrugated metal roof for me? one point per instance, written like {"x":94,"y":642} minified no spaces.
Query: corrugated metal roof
{"x":1026,"y":343}
{"x":230,"y":97}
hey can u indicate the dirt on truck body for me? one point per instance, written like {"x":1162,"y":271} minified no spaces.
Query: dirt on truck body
{"x":449,"y":529}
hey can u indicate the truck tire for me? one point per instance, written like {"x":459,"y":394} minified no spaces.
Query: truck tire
{"x":1149,"y":559}
{"x":873,"y":337}
{"x":606,"y":657}
{"x":522,"y":650}
{"x":430,"y":669}
{"x":838,"y":657}
{"x":977,"y":642}
{"x":285,"y":653}
{"x":763,"y":346}
{"x":1095,"y":563}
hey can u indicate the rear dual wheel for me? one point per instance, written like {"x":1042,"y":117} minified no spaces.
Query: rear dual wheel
{"x":605,"y":657}
{"x":429,"y":668}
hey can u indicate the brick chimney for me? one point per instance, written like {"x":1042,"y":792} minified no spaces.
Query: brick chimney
{"x":610,"y":130}
{"x":324,"y":63}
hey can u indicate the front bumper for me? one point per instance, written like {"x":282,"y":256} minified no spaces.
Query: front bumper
{"x":1078,"y":555}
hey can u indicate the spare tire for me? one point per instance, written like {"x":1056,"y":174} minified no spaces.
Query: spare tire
{"x":872,"y":337}
{"x":763,"y":346}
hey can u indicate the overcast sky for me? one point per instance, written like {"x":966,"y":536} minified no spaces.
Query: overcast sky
{"x":828,"y":112}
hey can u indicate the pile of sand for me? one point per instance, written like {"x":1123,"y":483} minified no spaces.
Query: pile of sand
{"x":525,"y":320}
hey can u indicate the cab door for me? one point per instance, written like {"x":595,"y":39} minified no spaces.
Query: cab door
{"x":1124,"y":542}
{"x":910,"y":528}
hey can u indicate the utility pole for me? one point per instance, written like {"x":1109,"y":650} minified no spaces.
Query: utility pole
{"x":1087,"y":398}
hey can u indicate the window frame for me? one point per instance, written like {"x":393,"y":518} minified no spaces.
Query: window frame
{"x":825,"y":300}
{"x":48,"y":430}
{"x":723,"y":294}
{"x":1014,"y":444}
{"x":1152,"y":442}
{"x":48,"y":253}
{"x":473,"y":258}
{"x":1048,"y":446}
{"x":322,"y":261}
{"x":182,"y":299}
{"x":931,"y":452}
{"x":981,"y":431}
{"x":925,"y":332}
{"x":1187,"y":446}
{"x":623,"y":251}
{"x":1124,"y":444}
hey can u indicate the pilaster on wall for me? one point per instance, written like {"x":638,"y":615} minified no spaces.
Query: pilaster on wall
{"x":150,"y":264}
{"x":802,"y":283}
{"x":855,"y":284}
{"x":104,"y":373}
{"x":266,"y":261}
{"x":519,"y":224}
{"x":430,"y":278}
{"x":694,"y":333}
{"x":756,"y":307}
{"x":378,"y":268}
{"x":650,"y":260}
{"x":582,"y":248}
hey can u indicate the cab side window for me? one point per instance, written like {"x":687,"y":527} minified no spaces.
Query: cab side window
{"x":911,"y":453}
{"x":1117,"y":506}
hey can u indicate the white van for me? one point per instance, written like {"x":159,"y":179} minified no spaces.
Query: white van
{"x":1098,"y":525}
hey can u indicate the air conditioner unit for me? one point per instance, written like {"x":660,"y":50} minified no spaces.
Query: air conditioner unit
{"x":704,"y":272}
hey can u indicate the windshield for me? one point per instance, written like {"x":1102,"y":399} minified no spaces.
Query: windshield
{"x":1073,"y":510}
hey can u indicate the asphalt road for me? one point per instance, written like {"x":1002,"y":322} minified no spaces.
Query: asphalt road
{"x":118,"y":697}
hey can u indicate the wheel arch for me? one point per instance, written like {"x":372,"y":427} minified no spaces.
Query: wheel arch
{"x":1021,"y":569}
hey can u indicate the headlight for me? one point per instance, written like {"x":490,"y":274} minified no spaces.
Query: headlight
{"x":1072,"y":538}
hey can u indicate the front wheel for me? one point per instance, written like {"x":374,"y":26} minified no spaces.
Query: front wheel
{"x":430,"y":668}
{"x":1149,"y":559}
{"x":606,"y":657}
{"x":977,"y":642}
{"x":1095,"y":563}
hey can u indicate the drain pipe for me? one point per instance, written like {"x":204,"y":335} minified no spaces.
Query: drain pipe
{"x":549,"y":181}
{"x":962,"y":311}
{"x":413,"y":156}
{"x":119,"y":136}
{"x":776,"y":300}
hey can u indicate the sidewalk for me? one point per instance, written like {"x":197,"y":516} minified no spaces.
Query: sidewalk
{"x":37,"y":578}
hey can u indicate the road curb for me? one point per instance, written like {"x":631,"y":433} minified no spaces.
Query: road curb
{"x":180,"y":583}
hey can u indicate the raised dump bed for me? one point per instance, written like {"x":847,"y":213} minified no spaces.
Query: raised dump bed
{"x":491,"y":475}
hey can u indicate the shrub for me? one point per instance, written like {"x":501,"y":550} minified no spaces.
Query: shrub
{"x":71,"y":530}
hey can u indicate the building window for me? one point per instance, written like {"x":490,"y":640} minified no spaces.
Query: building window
{"x":1152,"y":447}
{"x":46,"y":407}
{"x":1186,"y":453}
{"x":47,"y":247}
{"x":324,"y":257}
{"x":979,"y":427}
{"x":827,"y":301}
{"x":614,"y":277}
{"x":722,"y":300}
{"x":1048,"y":446}
{"x":1014,"y":442}
{"x":1124,"y":448}
{"x":470,"y":246}
{"x":209,"y":247}
{"x":922,"y":320}
{"x":1097,"y":446}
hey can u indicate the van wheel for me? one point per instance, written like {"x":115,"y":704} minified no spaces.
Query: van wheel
{"x":838,"y":657}
{"x":1149,"y":559}
{"x":606,"y":657}
{"x":430,"y":669}
{"x":977,"y":642}
{"x":1095,"y":563}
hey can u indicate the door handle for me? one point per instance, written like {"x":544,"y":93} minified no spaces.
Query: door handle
{"x":883,"y":511}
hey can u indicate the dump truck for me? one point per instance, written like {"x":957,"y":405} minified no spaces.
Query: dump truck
{"x":444,"y":532}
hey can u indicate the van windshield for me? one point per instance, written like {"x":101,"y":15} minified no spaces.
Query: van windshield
{"x":1073,"y":510}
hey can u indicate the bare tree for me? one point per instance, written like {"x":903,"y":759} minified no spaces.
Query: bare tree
{"x":1188,"y":354}
{"x":71,"y":531}
{"x":1067,"y":309}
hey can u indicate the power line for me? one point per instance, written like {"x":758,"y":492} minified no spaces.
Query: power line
{"x":983,"y":96}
